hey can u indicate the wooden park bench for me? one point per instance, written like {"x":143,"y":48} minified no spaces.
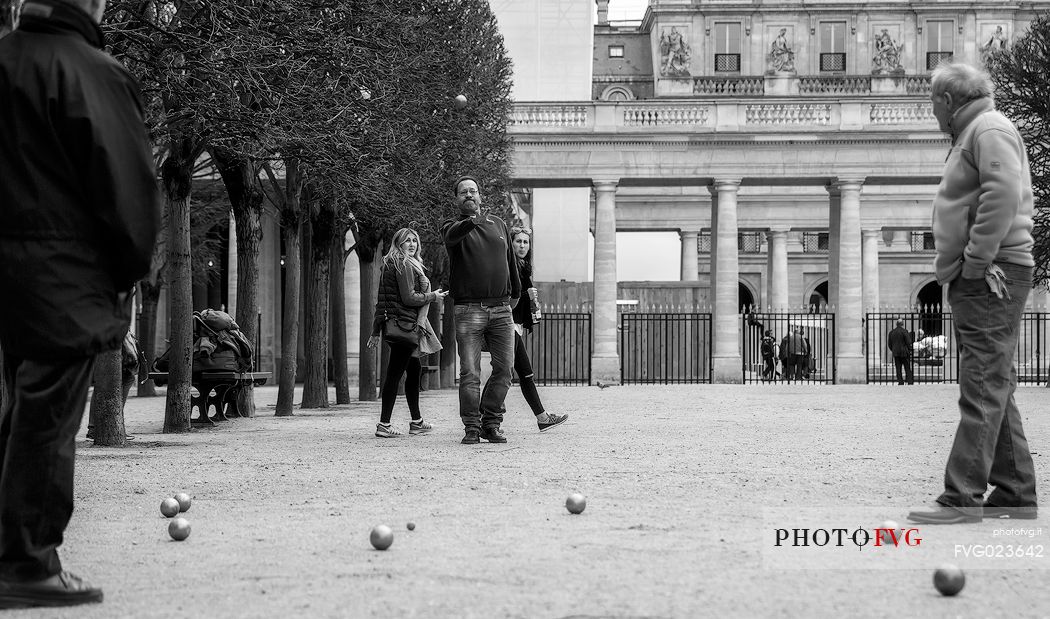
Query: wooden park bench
{"x":216,"y":388}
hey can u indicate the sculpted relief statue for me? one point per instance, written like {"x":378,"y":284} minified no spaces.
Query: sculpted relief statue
{"x":781,"y":59}
{"x":887,"y":58}
{"x":674,"y":54}
{"x":995,"y":44}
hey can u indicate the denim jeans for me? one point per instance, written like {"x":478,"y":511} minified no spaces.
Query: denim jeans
{"x":476,"y":325}
{"x":990,"y":445}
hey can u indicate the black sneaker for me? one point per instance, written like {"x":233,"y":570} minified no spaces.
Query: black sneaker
{"x":493,"y":435}
{"x":553,"y":421}
{"x":470,"y":437}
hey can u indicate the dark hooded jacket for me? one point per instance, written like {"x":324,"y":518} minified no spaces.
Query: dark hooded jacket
{"x":79,"y":206}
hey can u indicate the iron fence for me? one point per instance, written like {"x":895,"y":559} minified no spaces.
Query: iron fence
{"x":933,"y":359}
{"x":814,"y":346}
{"x":665,"y":348}
{"x":935,"y":351}
{"x":559,"y":348}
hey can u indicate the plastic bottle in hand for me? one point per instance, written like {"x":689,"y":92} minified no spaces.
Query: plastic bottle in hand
{"x":534,"y":304}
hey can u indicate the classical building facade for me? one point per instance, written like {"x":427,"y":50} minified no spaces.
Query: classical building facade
{"x":791,"y":145}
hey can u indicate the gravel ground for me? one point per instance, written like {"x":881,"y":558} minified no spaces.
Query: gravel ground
{"x":685,"y":486}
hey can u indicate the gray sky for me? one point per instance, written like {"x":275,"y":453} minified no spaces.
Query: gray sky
{"x":626,"y":9}
{"x":643,"y":255}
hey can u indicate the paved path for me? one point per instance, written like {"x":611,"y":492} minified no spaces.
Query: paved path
{"x":686,"y":487}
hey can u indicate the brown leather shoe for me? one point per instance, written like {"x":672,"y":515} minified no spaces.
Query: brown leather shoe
{"x":63,"y":589}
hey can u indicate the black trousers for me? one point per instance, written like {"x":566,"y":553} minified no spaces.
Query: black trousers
{"x":401,"y":362}
{"x":903,"y":363}
{"x":42,"y":410}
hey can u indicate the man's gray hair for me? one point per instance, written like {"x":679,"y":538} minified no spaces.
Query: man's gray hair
{"x":962,"y":81}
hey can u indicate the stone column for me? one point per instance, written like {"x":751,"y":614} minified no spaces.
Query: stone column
{"x":870,"y":257}
{"x":231,"y":269}
{"x":605,"y":361}
{"x":690,"y":258}
{"x":352,"y":301}
{"x":778,"y":269}
{"x":846,"y":283}
{"x":725,"y":277}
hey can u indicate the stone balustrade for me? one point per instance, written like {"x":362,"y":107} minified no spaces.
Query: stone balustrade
{"x":903,"y":113}
{"x":723,"y":116}
{"x":812,"y":85}
{"x":556,"y":115}
{"x":665,"y":115}
{"x":835,"y":85}
{"x":730,"y":86}
{"x":788,"y":114}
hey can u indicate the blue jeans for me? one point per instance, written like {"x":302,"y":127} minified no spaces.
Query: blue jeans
{"x":476,"y":325}
{"x":990,"y":445}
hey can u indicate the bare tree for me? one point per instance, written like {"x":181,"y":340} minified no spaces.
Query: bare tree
{"x":1020,"y":74}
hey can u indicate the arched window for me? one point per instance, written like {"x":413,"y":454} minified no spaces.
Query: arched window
{"x":617,"y":93}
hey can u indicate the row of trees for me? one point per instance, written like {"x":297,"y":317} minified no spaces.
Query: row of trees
{"x":337,"y":116}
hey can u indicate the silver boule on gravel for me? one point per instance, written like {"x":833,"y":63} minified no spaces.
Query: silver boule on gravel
{"x":576,"y":503}
{"x":184,"y":501}
{"x":169,"y":507}
{"x":179,"y":529}
{"x":381,"y":537}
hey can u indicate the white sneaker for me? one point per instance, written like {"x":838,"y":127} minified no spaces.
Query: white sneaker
{"x":419,"y":427}
{"x":387,"y":431}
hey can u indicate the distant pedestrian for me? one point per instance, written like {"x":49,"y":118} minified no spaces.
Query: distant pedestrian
{"x":769,"y":355}
{"x":483,"y":280}
{"x":982,"y":231}
{"x":525,"y":318}
{"x":79,"y":216}
{"x":900,"y":344}
{"x":796,"y":354}
{"x":785,"y":356}
{"x":404,"y":296}
{"x":807,"y":353}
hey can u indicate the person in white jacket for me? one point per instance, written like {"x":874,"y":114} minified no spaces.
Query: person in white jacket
{"x":982,"y":229}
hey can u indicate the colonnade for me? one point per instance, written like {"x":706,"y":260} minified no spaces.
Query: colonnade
{"x":853,"y":277}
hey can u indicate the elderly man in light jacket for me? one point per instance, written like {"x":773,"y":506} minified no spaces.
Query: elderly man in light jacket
{"x":982,"y":228}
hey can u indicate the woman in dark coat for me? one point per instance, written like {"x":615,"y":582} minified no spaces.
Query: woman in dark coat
{"x":525,"y":315}
{"x":404,"y":294}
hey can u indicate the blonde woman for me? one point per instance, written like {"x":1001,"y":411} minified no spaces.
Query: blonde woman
{"x":404,"y":294}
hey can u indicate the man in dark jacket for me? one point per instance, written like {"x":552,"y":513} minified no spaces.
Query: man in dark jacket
{"x":483,"y":280}
{"x":79,"y":215}
{"x":900,"y":344}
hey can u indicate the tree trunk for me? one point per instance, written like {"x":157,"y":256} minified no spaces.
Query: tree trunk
{"x":246,"y":197}
{"x":290,"y":317}
{"x":291,"y":227}
{"x":366,"y":255}
{"x":315,"y":381}
{"x":106,"y":414}
{"x":337,"y":318}
{"x":176,"y":173}
{"x":448,"y":345}
{"x":2,"y":388}
{"x":149,"y":297}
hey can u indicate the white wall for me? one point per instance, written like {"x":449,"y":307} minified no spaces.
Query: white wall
{"x":560,"y":232}
{"x":552,"y":45}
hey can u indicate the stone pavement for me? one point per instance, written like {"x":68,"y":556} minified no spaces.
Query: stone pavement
{"x":686,"y":488}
